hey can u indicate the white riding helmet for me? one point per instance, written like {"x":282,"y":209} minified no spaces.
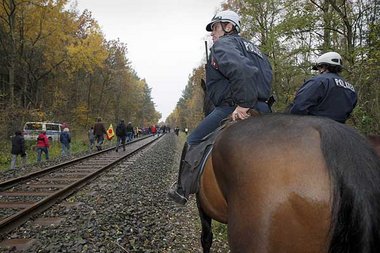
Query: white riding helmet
{"x":330,"y":58}
{"x":225,"y":16}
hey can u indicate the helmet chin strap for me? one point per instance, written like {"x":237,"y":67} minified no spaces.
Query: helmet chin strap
{"x":224,"y":30}
{"x":324,"y":70}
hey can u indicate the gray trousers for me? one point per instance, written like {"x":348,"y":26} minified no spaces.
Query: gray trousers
{"x":14,"y":160}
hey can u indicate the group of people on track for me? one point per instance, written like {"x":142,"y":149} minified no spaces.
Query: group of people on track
{"x":42,"y":146}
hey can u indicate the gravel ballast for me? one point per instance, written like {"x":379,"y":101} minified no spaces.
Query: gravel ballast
{"x":125,"y":210}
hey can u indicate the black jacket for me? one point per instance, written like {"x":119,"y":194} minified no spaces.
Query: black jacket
{"x":121,"y":130}
{"x":129,"y":128}
{"x":237,"y":73}
{"x":99,"y":129}
{"x":327,"y":95}
{"x":18,"y":145}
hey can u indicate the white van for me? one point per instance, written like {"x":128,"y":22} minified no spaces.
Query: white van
{"x":33,"y":129}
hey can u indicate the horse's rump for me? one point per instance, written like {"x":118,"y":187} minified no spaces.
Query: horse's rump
{"x":274,"y":172}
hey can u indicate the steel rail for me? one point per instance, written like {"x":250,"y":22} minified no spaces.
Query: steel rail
{"x":17,"y":219}
{"x":5,"y":185}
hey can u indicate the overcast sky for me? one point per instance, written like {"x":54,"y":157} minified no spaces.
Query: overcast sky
{"x":165,"y":39}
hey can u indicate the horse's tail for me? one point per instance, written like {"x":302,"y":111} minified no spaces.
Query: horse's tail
{"x":354,"y":170}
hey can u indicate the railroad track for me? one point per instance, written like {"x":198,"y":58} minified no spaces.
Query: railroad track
{"x":25,"y":196}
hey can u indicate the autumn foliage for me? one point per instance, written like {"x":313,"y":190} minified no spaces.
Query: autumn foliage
{"x":293,"y":34}
{"x":56,"y":65}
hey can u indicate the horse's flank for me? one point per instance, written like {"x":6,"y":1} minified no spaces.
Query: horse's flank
{"x":212,"y":199}
{"x":281,"y":202}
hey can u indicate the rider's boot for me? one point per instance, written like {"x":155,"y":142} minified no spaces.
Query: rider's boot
{"x":177,"y":193}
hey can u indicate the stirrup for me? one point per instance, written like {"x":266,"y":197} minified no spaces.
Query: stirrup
{"x":174,"y":195}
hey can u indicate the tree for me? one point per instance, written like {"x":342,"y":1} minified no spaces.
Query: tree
{"x":56,"y":65}
{"x":294,"y":33}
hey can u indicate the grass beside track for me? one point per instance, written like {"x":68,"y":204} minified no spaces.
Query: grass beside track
{"x":79,"y":144}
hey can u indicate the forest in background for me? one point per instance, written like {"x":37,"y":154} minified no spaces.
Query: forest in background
{"x":56,"y":65}
{"x":293,"y":33}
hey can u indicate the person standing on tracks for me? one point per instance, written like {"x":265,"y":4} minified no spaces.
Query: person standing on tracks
{"x":153,"y":130}
{"x":91,"y":137}
{"x":238,"y":78}
{"x":65,"y":139}
{"x":42,"y":146}
{"x":130,"y":132}
{"x":18,"y":148}
{"x":121,"y":134}
{"x":99,"y":132}
{"x":136,"y":132}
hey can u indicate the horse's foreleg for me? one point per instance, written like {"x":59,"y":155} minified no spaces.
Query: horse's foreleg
{"x":206,"y":236}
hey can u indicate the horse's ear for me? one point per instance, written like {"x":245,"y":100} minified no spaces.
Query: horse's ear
{"x":203,"y":84}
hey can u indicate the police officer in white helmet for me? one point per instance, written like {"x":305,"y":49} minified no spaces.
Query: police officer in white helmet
{"x":326,"y":94}
{"x":238,"y":77}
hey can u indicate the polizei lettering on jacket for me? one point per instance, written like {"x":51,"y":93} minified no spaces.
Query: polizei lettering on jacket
{"x":252,"y":48}
{"x":344,"y":84}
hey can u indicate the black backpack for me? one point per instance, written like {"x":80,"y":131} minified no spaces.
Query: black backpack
{"x":120,"y":130}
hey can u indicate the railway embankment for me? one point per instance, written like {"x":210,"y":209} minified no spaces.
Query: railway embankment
{"x":124,"y":210}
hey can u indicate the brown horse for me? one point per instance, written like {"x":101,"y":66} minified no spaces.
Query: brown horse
{"x":375,"y":142}
{"x":286,"y":183}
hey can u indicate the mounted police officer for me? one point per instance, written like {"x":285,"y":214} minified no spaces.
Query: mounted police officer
{"x":326,"y":94}
{"x":238,"y":77}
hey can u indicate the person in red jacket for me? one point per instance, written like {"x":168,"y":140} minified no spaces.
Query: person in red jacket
{"x":42,"y":146}
{"x":153,"y":130}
